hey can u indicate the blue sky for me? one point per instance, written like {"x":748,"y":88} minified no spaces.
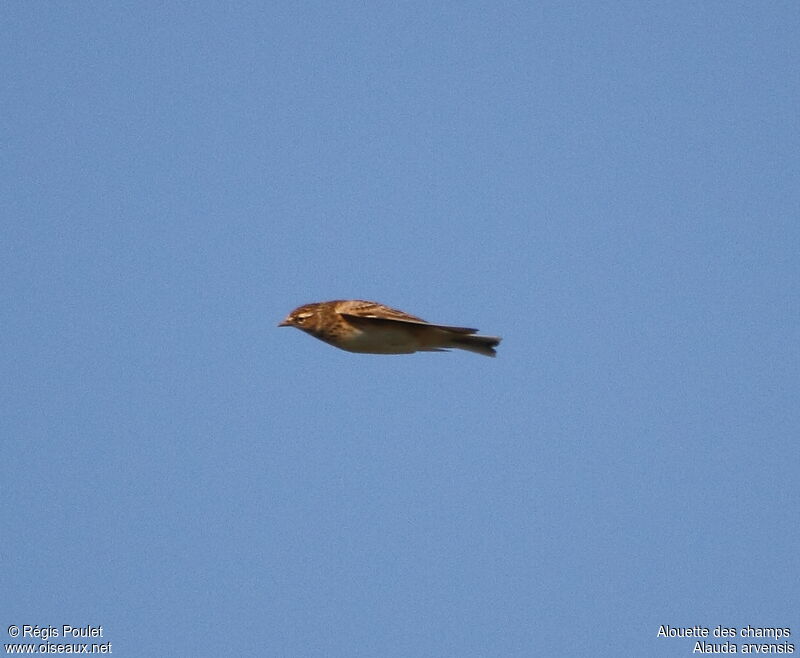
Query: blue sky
{"x":611,"y":187}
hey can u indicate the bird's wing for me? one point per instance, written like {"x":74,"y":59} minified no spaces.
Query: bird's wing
{"x":377,"y":314}
{"x":363,"y":309}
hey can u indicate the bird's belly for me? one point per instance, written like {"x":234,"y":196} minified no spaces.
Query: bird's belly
{"x":382,"y":340}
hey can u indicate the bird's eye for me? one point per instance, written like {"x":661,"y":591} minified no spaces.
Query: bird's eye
{"x":300,"y":319}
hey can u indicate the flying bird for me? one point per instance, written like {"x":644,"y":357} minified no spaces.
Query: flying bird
{"x":355,"y":325}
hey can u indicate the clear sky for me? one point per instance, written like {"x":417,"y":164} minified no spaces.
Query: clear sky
{"x":613,"y":188}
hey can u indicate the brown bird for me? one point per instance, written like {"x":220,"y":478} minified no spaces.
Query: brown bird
{"x":359,"y":326}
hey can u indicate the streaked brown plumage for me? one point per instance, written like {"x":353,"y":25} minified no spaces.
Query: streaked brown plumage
{"x":368,"y":327}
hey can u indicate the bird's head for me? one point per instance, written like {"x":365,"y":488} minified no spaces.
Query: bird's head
{"x":302,"y":317}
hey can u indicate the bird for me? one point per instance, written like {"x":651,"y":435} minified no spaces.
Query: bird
{"x":356,"y":325}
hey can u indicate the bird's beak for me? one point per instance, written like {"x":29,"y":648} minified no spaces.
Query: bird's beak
{"x":285,"y":323}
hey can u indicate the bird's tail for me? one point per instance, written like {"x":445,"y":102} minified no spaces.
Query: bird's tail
{"x":479,"y":344}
